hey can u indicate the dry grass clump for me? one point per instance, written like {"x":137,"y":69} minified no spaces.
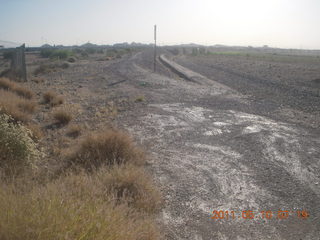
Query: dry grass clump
{"x":126,"y":184}
{"x":38,"y":80}
{"x":52,"y":98}
{"x":36,"y":131}
{"x":62,"y":117}
{"x":15,"y":106}
{"x":8,"y":85}
{"x":59,"y":210}
{"x":18,"y":151}
{"x":71,"y":59}
{"x":132,"y":185}
{"x":107,"y":148}
{"x":74,"y":131}
{"x":140,"y":99}
{"x":23,"y":92}
{"x":27,"y":106}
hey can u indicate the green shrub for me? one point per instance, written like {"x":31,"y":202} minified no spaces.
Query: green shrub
{"x":140,"y":99}
{"x":90,"y":50}
{"x":71,"y":59}
{"x":55,"y":53}
{"x":60,"y":54}
{"x":18,"y":152}
{"x":46,"y":53}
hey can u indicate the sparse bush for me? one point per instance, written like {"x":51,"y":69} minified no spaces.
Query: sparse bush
{"x":74,"y":131}
{"x":64,"y":65}
{"x":62,"y":117}
{"x":52,"y":98}
{"x":55,"y":53}
{"x":90,"y":50}
{"x":60,"y":54}
{"x":108,"y":148}
{"x":18,"y":152}
{"x":49,"y":96}
{"x":46,"y":53}
{"x":71,"y":59}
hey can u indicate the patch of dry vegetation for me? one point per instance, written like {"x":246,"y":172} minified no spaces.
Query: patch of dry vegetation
{"x":64,"y":209}
{"x":52,"y":99}
{"x":8,"y":85}
{"x":132,"y":185}
{"x":74,"y":131}
{"x":36,"y":131}
{"x":62,"y":117}
{"x":24,"y":92}
{"x":140,"y":99}
{"x":106,"y":149}
{"x":38,"y":80}
{"x":100,"y":191}
{"x":15,"y":100}
{"x":15,"y":106}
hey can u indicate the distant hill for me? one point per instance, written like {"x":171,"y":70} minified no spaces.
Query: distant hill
{"x":89,"y":45}
{"x":46,"y":46}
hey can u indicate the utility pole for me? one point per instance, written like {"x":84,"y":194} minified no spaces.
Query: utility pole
{"x":155,"y":48}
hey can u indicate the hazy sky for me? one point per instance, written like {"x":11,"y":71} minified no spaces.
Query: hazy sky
{"x":277,"y":23}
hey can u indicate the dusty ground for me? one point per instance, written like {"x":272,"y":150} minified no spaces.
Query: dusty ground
{"x":249,"y":144}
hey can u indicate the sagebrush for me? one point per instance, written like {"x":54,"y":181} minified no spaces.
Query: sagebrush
{"x":18,"y":152}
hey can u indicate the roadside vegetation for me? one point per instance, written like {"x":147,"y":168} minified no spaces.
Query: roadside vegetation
{"x":95,"y":189}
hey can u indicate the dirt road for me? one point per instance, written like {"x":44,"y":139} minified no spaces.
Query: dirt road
{"x":213,"y":149}
{"x":213,"y":152}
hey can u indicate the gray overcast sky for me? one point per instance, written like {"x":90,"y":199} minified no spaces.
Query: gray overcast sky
{"x":277,"y":23}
